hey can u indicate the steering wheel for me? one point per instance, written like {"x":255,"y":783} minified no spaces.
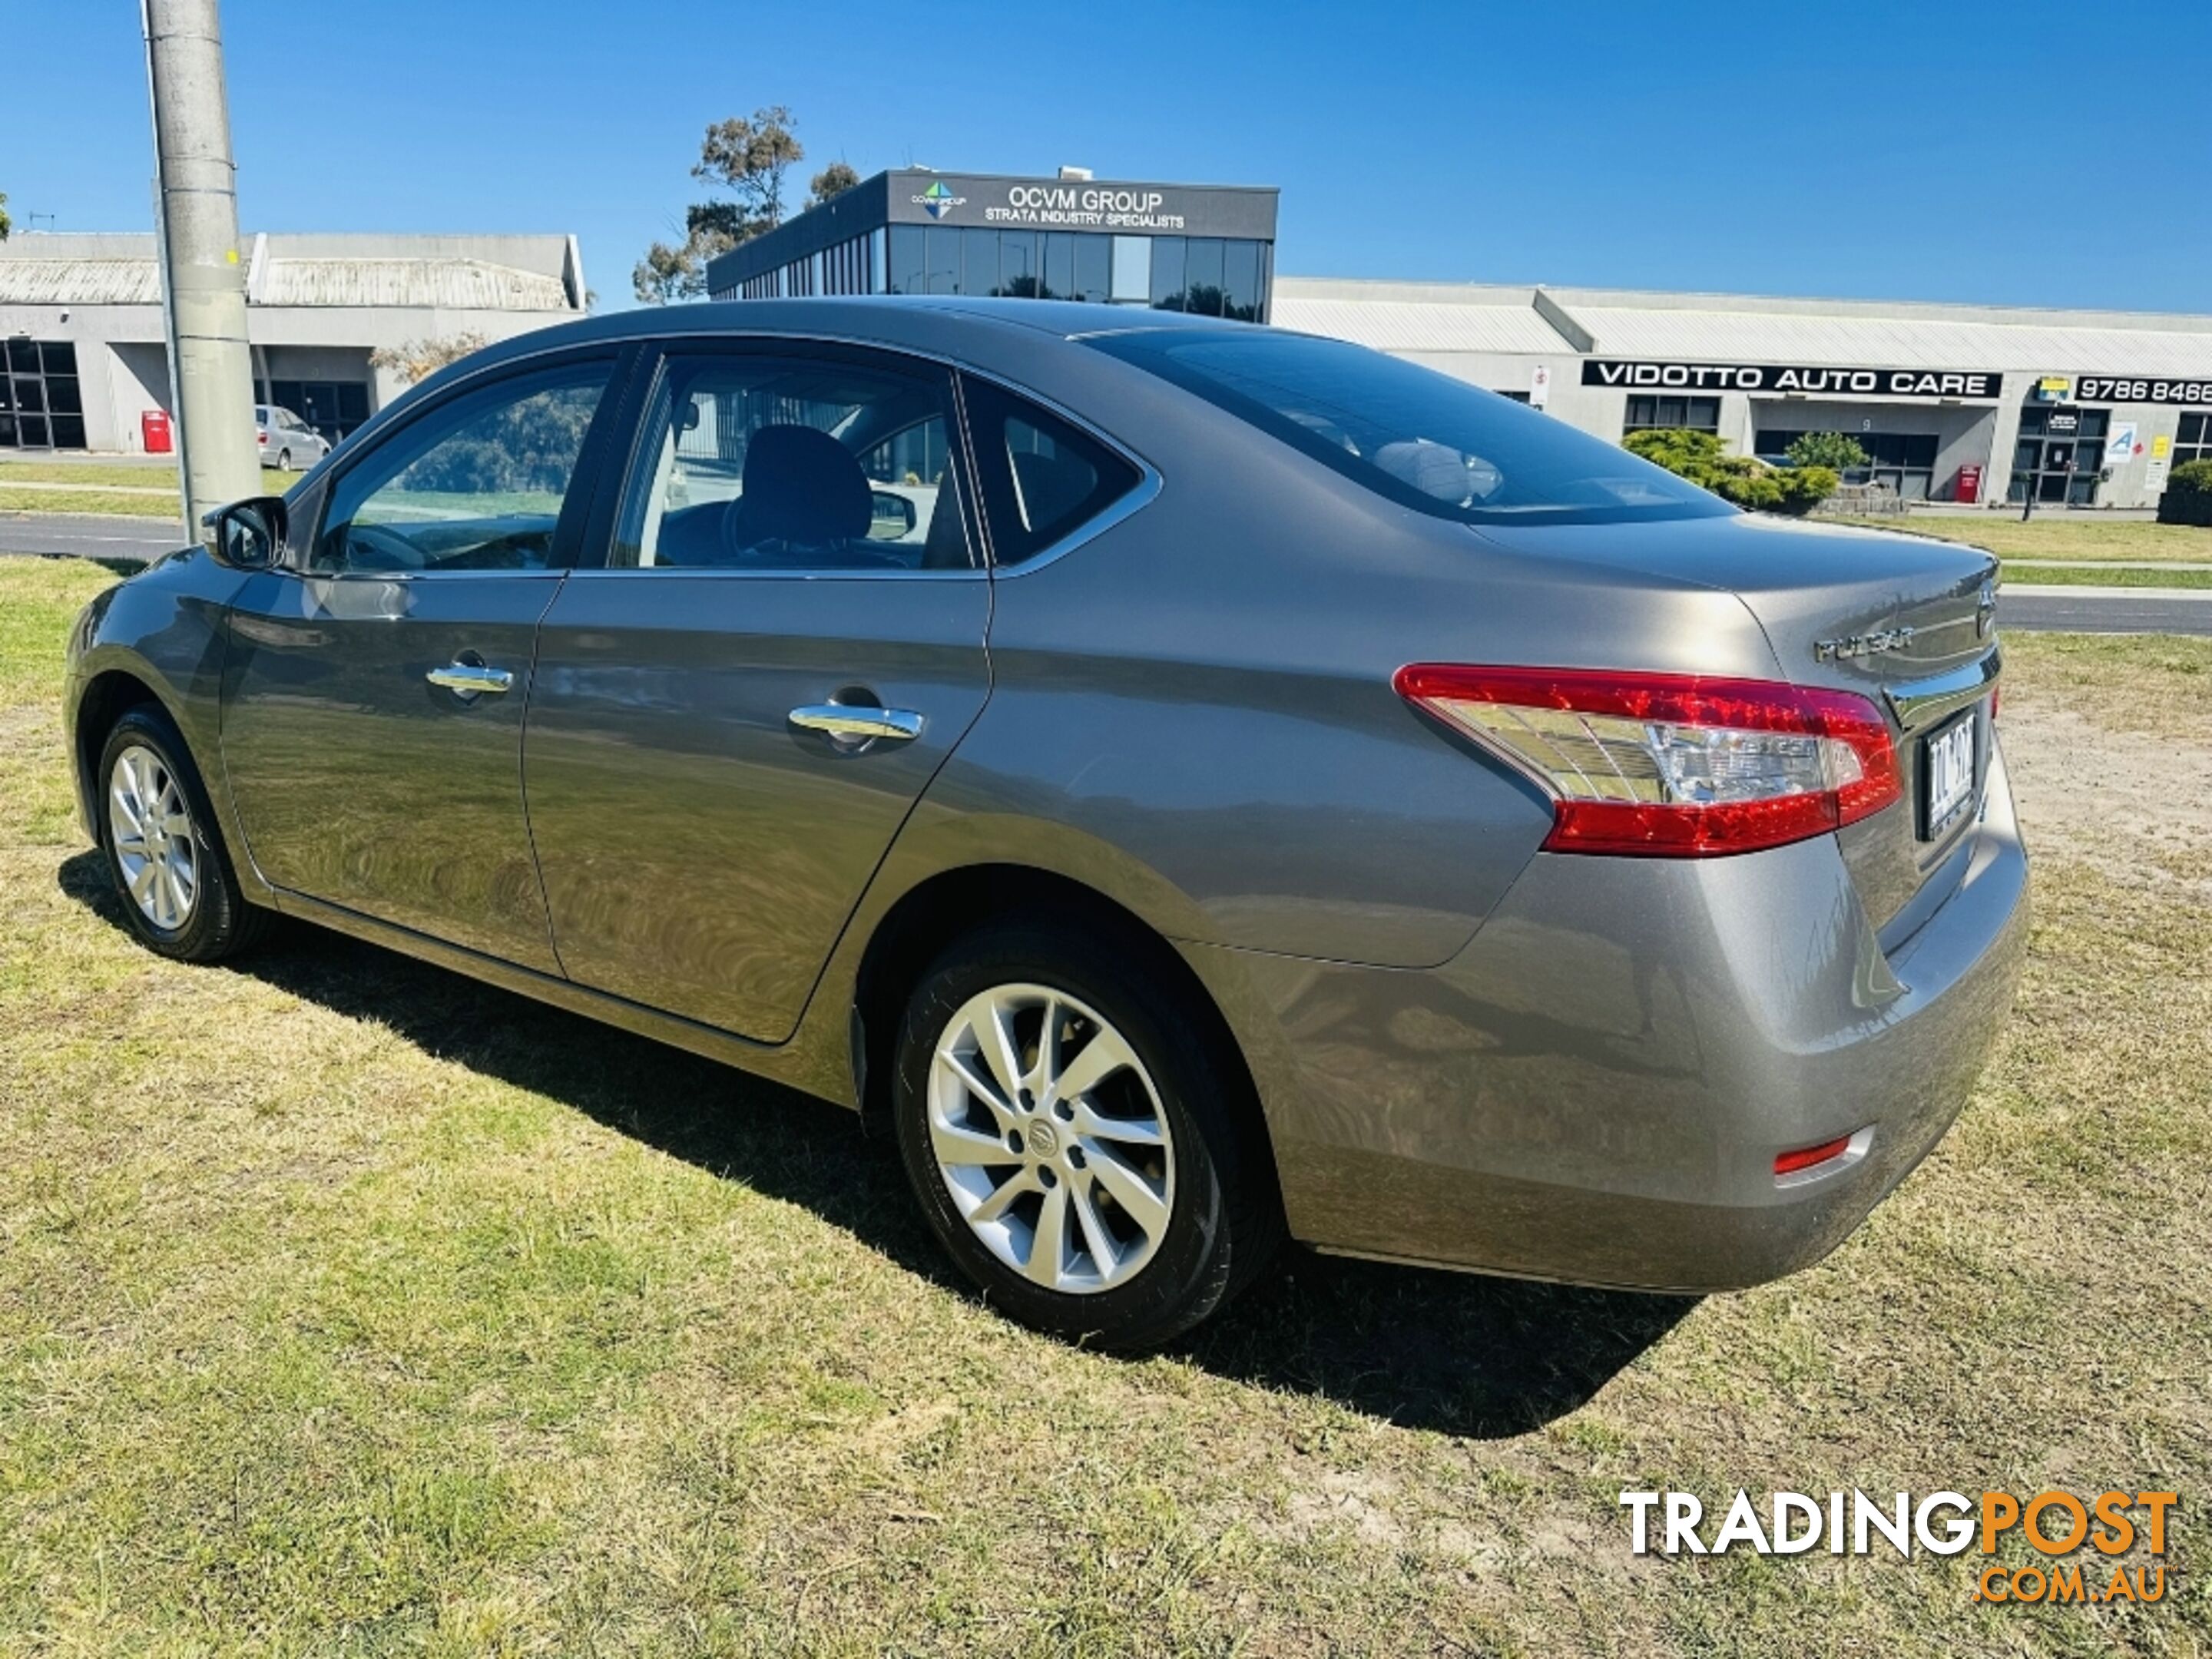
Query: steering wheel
{"x":374,"y":547}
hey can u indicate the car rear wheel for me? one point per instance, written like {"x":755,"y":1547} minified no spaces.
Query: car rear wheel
{"x":284,"y":460}
{"x":1076,"y":1141}
{"x":171,"y":870}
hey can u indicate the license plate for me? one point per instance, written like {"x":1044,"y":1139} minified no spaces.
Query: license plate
{"x":1947,"y":775}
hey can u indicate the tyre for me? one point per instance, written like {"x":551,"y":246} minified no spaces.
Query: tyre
{"x":284,"y":460}
{"x":1078,"y":1143}
{"x":171,"y":870}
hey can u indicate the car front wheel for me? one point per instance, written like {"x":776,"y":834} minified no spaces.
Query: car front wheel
{"x":1076,"y":1141}
{"x":166,"y":857}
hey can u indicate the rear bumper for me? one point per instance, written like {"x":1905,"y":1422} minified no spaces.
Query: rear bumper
{"x":1595,"y":1089}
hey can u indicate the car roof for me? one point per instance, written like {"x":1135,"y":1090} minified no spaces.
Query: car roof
{"x":887,"y":319}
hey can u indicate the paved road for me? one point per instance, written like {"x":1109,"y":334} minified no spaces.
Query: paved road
{"x":89,"y":536}
{"x":2110,"y":610}
{"x":2062,"y":610}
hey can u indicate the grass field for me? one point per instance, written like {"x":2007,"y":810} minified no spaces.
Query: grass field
{"x":17,"y":494}
{"x":2023,"y":572}
{"x":349,"y":1307}
{"x":2060,"y":537}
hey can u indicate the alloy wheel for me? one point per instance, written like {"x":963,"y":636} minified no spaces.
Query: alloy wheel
{"x":152,"y":831}
{"x":1050,"y":1137}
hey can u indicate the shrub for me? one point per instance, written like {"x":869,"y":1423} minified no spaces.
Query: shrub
{"x":1700,"y":457}
{"x":2188,"y":498}
{"x":1838,"y":451}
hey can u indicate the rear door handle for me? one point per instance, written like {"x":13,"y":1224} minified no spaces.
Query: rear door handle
{"x":855,"y":724}
{"x":470,"y":678}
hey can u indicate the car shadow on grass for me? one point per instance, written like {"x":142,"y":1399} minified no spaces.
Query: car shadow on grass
{"x":1461,"y":1354}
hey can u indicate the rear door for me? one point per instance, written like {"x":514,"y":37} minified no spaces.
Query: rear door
{"x":734,"y":713}
{"x":373,"y":692}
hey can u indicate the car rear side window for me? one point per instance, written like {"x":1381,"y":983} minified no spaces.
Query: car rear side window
{"x":1042,"y":479}
{"x":1417,"y":437}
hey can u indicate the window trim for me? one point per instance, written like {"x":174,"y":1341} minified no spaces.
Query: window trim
{"x":644,"y":378}
{"x":647,"y":375}
{"x":578,"y":507}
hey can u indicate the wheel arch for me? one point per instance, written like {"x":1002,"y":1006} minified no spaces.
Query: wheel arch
{"x":934,"y":913}
{"x":107,"y":697}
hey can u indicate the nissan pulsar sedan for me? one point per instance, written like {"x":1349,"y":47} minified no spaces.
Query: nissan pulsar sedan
{"x":1195,"y":785}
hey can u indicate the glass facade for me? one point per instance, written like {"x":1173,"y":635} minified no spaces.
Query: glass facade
{"x":1212,"y":275}
{"x":2193,"y":440}
{"x":1905,"y":461}
{"x":1648,"y":412}
{"x":2059,"y":454}
{"x":39,"y":406}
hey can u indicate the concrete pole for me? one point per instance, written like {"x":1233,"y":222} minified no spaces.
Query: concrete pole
{"x":210,"y":373}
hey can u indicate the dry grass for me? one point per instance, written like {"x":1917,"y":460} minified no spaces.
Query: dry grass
{"x":349,"y":1307}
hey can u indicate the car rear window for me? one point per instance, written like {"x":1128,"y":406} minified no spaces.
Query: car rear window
{"x":1423,"y":440}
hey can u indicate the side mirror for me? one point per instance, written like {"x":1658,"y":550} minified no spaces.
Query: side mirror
{"x":891,"y":513}
{"x":246,"y":535}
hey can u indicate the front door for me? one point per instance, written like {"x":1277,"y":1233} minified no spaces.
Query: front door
{"x":374,"y":695}
{"x":733,"y":715}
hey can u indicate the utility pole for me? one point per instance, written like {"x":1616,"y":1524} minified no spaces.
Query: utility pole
{"x":202,"y":279}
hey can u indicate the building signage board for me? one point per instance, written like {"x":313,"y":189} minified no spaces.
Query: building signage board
{"x":2120,"y":447}
{"x":1539,"y":386}
{"x":1812,"y":381}
{"x":1128,"y":209}
{"x":2134,"y":389}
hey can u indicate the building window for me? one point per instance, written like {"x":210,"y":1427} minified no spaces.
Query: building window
{"x":40,"y":407}
{"x":2059,"y":454}
{"x":1905,"y":461}
{"x":333,"y":408}
{"x":1211,"y":275}
{"x":2193,"y":442}
{"x":1647,"y":411}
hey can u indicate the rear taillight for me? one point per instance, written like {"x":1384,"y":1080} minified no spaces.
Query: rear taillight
{"x":1670,"y":765}
{"x":261,"y":437}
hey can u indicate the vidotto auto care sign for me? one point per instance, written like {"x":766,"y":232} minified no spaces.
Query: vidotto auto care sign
{"x":1802,"y":379}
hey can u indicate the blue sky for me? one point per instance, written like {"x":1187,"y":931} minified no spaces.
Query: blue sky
{"x":2020,"y":153}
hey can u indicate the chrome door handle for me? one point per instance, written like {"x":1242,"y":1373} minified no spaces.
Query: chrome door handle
{"x":469,"y":678}
{"x":853,"y":723}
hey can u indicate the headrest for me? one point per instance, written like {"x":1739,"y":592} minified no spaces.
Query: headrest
{"x":801,"y":485}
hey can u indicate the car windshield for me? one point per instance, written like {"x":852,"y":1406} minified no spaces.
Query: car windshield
{"x":1423,"y":440}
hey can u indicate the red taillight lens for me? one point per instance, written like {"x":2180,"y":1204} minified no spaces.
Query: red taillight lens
{"x":1671,"y":765}
{"x":261,"y":437}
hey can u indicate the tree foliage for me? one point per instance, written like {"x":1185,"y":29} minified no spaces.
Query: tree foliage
{"x":6,"y":223}
{"x":746,"y":160}
{"x":833,"y":181}
{"x":1837,"y":451}
{"x":418,"y":360}
{"x":1700,"y":458}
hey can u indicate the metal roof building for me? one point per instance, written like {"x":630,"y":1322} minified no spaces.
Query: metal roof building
{"x":1951,"y":402}
{"x":82,"y":350}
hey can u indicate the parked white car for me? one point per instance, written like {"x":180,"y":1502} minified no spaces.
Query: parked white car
{"x":288,"y":443}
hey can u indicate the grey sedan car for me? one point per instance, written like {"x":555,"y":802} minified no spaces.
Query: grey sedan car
{"x":287,"y":442}
{"x":1193,"y":785}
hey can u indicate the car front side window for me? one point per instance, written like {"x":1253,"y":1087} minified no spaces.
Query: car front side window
{"x":479,"y":483}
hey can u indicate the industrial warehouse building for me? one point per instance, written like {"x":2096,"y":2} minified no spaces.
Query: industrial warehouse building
{"x":1207,"y":248}
{"x":83,"y":356}
{"x":1952,"y":402}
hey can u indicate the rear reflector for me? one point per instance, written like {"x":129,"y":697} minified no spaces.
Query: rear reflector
{"x":1806,"y":1157}
{"x":1670,"y":765}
